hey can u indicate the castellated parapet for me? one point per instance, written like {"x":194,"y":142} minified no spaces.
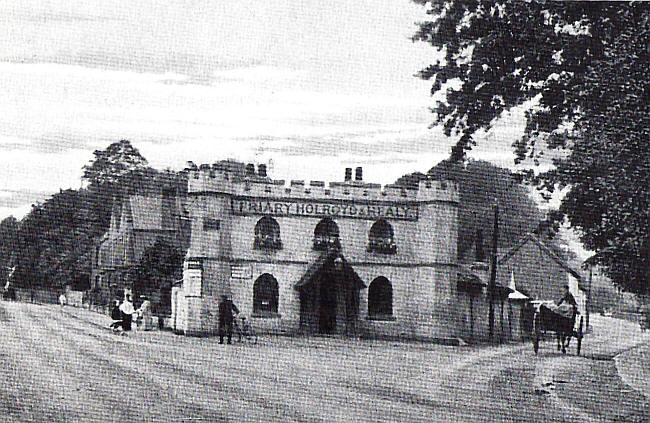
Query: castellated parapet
{"x":222,"y":181}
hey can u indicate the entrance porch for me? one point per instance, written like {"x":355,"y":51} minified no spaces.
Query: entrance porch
{"x":329,"y":296}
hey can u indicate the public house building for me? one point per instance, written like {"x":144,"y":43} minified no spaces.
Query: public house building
{"x":346,"y":257}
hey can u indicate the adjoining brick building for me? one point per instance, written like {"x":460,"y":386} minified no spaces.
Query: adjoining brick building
{"x":539,"y":272}
{"x":528,"y":271}
{"x":150,"y":209}
{"x":348,"y":257}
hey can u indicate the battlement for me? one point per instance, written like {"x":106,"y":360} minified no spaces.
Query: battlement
{"x":218,"y":179}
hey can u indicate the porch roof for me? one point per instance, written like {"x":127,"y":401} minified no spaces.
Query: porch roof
{"x":325,"y":259}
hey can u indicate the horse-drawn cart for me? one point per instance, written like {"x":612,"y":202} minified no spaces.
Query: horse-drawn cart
{"x":549,"y":317}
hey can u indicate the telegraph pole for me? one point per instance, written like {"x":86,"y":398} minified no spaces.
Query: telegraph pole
{"x":589,"y":295}
{"x":493,"y":268}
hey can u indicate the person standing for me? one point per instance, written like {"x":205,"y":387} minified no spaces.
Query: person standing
{"x":127,"y":313}
{"x":227,"y":310}
{"x":145,"y":313}
{"x":62,"y":300}
{"x":568,"y":298}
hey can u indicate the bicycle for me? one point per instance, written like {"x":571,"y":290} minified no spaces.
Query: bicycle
{"x":244,"y":330}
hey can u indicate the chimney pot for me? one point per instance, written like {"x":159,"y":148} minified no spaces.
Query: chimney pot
{"x":250,"y":169}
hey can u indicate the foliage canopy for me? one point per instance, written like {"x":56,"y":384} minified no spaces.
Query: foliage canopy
{"x":581,"y":68}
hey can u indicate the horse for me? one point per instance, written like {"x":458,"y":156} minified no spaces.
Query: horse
{"x":560,"y":320}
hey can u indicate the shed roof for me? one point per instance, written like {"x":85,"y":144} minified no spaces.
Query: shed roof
{"x":467,"y":275}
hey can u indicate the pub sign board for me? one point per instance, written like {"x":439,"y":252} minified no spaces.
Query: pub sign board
{"x":320,"y":208}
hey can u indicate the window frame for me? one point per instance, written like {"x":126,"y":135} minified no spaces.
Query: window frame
{"x":323,"y":240}
{"x":382,"y":245}
{"x":375,"y":289}
{"x":273,"y":297}
{"x":267,"y":241}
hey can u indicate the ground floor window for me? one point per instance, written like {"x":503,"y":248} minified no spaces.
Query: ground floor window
{"x":380,"y":299}
{"x":265,"y":296}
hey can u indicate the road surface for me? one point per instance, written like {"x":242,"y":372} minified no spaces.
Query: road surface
{"x":64,"y":365}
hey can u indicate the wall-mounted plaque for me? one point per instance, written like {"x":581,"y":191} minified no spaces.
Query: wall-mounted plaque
{"x":241,"y":271}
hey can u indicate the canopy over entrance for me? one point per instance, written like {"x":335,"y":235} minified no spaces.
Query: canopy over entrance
{"x":330,"y":261}
{"x":329,"y":295}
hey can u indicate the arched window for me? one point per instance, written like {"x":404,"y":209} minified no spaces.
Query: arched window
{"x":265,"y":296}
{"x":326,"y":235}
{"x":380,"y":239}
{"x":267,"y":234}
{"x":380,"y":299}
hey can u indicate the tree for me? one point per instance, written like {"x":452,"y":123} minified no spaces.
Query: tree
{"x":160,"y":265}
{"x":9,"y":244}
{"x":109,"y":165}
{"x":581,"y":69}
{"x":481,"y":183}
{"x":54,"y":244}
{"x":105,"y":175}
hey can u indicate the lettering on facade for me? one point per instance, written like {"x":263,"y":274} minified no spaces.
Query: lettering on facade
{"x":251,"y":206}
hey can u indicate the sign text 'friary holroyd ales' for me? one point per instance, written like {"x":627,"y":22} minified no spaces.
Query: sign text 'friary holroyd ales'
{"x":253,"y":206}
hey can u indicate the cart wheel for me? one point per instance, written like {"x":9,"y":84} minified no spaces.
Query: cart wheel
{"x":580,"y":335}
{"x":536,"y":334}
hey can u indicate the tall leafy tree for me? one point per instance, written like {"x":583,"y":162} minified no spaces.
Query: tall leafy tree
{"x":581,"y":68}
{"x":9,"y":244}
{"x":160,"y":265}
{"x":55,"y":242}
{"x":110,"y":164}
{"x":106,"y":174}
{"x":480,"y":184}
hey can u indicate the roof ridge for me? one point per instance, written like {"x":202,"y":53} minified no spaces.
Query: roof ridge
{"x":531,"y":236}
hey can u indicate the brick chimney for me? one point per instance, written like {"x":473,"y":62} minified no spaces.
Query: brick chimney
{"x":358,"y":174}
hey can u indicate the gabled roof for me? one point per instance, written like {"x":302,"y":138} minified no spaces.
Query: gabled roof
{"x":529,"y":237}
{"x":326,"y":259}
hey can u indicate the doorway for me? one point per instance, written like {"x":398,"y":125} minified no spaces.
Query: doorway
{"x":328,"y":305}
{"x":329,"y":296}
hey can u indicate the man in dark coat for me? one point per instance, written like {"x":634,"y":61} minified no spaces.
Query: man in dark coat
{"x":568,"y":298}
{"x":227,"y":310}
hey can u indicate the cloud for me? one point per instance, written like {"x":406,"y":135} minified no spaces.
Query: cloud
{"x":42,"y":16}
{"x":13,"y":199}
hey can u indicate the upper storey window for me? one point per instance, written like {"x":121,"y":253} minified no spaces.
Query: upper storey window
{"x":381,"y":239}
{"x":326,"y":235}
{"x":267,"y":234}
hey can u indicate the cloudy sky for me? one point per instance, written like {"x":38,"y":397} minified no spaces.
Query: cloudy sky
{"x":310,"y":86}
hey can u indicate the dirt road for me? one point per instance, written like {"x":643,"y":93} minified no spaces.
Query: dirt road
{"x":66,"y":366}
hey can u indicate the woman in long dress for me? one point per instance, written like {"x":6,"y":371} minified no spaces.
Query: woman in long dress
{"x":127,"y":313}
